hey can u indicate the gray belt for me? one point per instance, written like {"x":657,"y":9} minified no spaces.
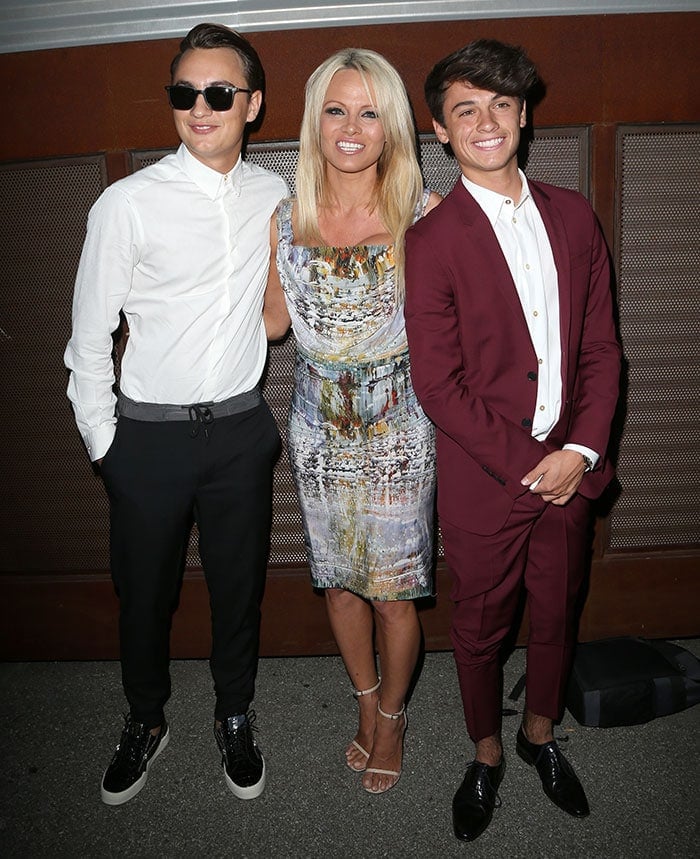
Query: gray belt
{"x":197,"y":413}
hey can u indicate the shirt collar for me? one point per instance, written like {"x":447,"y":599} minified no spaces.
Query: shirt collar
{"x":210,"y":181}
{"x":491,"y":201}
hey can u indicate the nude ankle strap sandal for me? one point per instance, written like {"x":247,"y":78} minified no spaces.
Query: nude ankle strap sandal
{"x":396,"y":774}
{"x":359,"y":693}
{"x":393,"y":716}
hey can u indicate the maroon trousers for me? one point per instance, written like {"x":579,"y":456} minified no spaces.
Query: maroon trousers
{"x":544,"y":548}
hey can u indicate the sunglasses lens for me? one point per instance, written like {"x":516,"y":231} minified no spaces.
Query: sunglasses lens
{"x":219,"y":97}
{"x":182,"y":97}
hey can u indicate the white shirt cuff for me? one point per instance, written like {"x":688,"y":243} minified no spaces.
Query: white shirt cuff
{"x":99,"y":440}
{"x":584,"y":451}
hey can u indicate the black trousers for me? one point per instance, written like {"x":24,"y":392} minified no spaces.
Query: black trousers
{"x":158,"y":477}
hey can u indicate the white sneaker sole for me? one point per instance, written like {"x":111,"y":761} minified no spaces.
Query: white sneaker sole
{"x":246,"y":792}
{"x":110,"y":798}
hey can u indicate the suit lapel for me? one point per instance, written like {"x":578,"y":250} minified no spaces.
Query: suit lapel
{"x":488,"y":255}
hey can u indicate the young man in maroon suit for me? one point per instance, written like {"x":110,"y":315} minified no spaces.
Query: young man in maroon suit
{"x":514,"y":357}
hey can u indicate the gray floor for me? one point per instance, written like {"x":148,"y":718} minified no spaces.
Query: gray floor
{"x":61,"y":720}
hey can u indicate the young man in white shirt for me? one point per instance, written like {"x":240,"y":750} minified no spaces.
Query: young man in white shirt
{"x":181,"y":248}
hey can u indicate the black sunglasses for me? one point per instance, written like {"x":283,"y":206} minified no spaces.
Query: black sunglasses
{"x":183,"y":97}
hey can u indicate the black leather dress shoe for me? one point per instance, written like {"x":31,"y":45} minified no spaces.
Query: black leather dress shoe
{"x":559,"y":780}
{"x":474,"y":802}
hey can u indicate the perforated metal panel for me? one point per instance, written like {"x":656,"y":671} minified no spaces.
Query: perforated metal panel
{"x":287,"y":541}
{"x":560,"y":156}
{"x":658,"y":256}
{"x":279,"y":157}
{"x":45,"y":207}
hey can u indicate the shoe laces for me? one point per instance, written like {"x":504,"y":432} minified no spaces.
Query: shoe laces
{"x":236,"y":743}
{"x":133,"y":745}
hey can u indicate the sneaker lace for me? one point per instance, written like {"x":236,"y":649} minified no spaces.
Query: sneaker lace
{"x":133,"y":745}
{"x":240,"y":740}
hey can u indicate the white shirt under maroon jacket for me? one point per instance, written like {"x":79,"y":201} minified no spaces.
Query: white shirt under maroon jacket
{"x":523,"y":240}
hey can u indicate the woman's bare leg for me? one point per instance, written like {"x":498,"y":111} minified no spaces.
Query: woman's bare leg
{"x":352,"y":621}
{"x":398,"y":642}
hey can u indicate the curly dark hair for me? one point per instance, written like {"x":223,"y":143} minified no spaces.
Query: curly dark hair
{"x":218,"y":36}
{"x":486,"y":64}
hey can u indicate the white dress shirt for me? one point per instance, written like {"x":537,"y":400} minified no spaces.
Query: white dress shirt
{"x":525,"y":244}
{"x":184,"y":251}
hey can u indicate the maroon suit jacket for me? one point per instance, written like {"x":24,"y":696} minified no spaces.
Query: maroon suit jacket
{"x":473,"y":365}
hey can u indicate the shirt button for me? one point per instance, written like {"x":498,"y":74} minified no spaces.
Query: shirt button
{"x":539,"y":360}
{"x":541,"y":408}
{"x":535,"y":313}
{"x":527,"y":266}
{"x":532,"y":376}
{"x":526,"y":422}
{"x":509,"y":202}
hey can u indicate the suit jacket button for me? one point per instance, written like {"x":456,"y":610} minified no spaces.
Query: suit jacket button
{"x":532,"y":376}
{"x":526,"y":422}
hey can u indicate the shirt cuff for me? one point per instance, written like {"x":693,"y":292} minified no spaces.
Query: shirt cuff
{"x":584,"y":451}
{"x":99,"y":440}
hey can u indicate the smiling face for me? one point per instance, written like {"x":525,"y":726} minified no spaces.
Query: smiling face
{"x":352,"y":135}
{"x":483,"y":129}
{"x":214,"y":137}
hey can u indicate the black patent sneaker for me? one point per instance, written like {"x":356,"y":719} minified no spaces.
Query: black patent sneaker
{"x":244,"y":767}
{"x":127,"y":773}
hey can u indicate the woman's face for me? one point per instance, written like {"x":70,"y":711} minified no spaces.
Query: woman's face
{"x":352,"y":135}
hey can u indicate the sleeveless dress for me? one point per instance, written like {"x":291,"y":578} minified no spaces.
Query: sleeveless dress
{"x":362,"y":451}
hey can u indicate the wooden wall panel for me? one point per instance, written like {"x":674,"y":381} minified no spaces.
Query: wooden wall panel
{"x":75,"y":617}
{"x":600,"y":72}
{"x":597,"y":70}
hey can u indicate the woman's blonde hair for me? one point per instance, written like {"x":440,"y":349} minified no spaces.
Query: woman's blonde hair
{"x":399,"y":181}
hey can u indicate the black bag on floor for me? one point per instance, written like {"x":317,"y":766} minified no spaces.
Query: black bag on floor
{"x":628,"y":681}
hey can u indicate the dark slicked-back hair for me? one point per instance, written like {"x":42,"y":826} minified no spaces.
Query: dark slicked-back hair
{"x":218,"y":36}
{"x":486,"y":64}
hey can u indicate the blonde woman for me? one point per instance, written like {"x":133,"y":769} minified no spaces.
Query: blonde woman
{"x":361,"y":448}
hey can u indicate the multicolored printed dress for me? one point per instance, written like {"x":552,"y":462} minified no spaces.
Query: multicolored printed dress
{"x":362,"y":450}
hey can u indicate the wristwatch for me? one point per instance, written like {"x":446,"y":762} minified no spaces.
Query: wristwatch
{"x":588,"y":462}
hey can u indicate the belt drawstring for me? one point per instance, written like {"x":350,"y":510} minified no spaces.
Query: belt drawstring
{"x":200,"y":416}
